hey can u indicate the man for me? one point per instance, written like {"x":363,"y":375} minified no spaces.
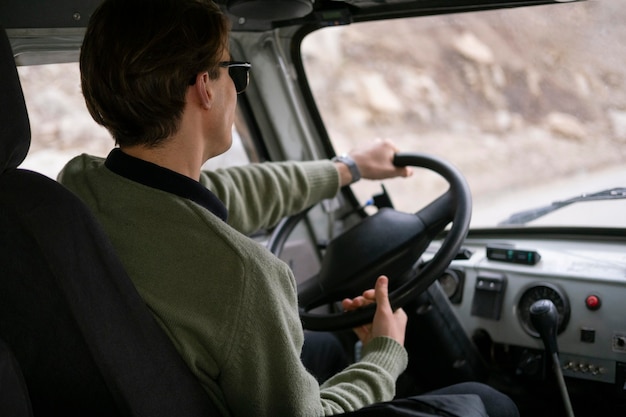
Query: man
{"x":155,"y":73}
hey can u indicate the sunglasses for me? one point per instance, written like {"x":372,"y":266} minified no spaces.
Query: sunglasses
{"x":239,"y":71}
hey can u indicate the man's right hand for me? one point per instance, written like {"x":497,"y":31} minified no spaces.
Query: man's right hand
{"x":386,"y":321}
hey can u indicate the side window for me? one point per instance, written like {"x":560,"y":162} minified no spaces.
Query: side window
{"x":61,"y":126}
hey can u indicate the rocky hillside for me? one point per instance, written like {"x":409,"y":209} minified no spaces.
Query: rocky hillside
{"x":460,"y":84}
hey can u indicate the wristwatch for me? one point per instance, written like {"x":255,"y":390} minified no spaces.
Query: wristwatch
{"x":352,"y":167}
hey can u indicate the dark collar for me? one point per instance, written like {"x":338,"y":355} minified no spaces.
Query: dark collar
{"x":164,"y":179}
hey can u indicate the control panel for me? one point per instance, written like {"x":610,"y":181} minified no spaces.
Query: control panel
{"x":586,"y":281}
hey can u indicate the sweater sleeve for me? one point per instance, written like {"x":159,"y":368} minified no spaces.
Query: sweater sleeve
{"x":259,"y":195}
{"x":369,"y":381}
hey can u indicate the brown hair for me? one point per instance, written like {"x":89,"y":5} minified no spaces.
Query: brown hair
{"x":137,"y":59}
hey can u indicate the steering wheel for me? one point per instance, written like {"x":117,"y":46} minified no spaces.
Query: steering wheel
{"x":387,"y":243}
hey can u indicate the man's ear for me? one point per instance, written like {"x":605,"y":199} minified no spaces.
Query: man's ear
{"x":203,"y":89}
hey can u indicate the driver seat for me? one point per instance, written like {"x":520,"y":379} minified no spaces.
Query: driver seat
{"x":82,"y":337}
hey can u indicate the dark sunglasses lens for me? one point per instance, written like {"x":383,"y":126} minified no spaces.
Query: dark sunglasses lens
{"x":240,"y":77}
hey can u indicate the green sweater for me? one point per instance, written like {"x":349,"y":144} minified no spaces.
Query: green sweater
{"x":228,"y":304}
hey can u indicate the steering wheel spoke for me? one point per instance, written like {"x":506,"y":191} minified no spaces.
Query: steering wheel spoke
{"x":438,"y":213}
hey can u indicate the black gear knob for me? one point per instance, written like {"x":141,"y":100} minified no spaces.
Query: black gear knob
{"x":545,"y":319}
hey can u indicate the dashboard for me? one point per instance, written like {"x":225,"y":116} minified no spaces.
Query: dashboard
{"x":493,"y":286}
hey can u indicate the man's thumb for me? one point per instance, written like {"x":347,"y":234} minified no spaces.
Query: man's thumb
{"x":382,"y":291}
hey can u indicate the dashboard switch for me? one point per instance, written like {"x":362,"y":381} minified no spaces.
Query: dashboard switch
{"x":593,"y":302}
{"x":587,"y":335}
{"x":619,"y":342}
{"x":488,"y":296}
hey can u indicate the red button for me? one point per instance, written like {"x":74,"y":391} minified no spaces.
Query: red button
{"x":593,"y":302}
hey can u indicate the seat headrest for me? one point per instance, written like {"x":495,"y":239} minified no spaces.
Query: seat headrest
{"x":14,"y":124}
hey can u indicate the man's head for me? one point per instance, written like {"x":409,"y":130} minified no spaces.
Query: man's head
{"x":138,"y":58}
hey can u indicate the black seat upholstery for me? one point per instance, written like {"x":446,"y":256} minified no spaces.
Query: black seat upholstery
{"x":84,"y":340}
{"x":14,"y":399}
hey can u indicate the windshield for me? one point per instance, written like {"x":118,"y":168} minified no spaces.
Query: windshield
{"x":530,"y":104}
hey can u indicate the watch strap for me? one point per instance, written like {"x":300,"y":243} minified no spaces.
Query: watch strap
{"x":352,"y":166}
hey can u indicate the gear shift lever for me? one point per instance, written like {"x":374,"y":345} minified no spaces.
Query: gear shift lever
{"x":544,"y":317}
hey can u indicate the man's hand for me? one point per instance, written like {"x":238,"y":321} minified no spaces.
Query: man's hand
{"x":386,"y":321}
{"x":376,"y":161}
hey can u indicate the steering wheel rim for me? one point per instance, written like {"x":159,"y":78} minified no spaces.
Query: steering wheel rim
{"x":454,"y":206}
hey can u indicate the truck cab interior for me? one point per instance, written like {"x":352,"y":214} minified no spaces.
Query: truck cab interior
{"x":507,"y":248}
